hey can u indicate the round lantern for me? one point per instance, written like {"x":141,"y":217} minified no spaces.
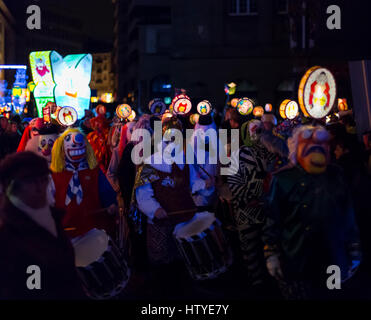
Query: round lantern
{"x":132,"y":116}
{"x":289,"y":109}
{"x":342,"y":105}
{"x":204,"y":107}
{"x":167,"y":114}
{"x":193,"y":119}
{"x":182,"y":104}
{"x":157,"y":106}
{"x":67,"y":116}
{"x":123,"y":111}
{"x":245,"y":106}
{"x":317,"y":92}
{"x":268,"y":107}
{"x":234,"y":102}
{"x":258,"y":111}
{"x":101,"y":110}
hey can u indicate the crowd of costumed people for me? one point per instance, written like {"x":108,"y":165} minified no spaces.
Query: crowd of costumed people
{"x":290,"y":201}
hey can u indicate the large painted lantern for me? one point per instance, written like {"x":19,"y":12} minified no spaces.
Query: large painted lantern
{"x":204,"y":107}
{"x":258,"y":111}
{"x":123,"y":111}
{"x":289,"y":109}
{"x":67,"y":116}
{"x":317,"y":92}
{"x":245,"y":106}
{"x":182,"y":104}
{"x":157,"y":106}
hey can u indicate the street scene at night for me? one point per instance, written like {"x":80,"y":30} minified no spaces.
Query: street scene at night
{"x":164,"y":151}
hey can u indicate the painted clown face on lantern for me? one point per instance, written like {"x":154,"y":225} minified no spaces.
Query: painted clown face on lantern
{"x":182,"y":104}
{"x":204,"y":107}
{"x":313,"y":150}
{"x":245,"y":106}
{"x":75,"y":147}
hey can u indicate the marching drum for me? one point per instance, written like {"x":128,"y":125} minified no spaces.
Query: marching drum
{"x":100,"y":265}
{"x":203,"y":246}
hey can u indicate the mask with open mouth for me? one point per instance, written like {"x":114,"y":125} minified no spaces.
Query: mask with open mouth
{"x":313,"y":150}
{"x":45,"y":146}
{"x":75,"y":147}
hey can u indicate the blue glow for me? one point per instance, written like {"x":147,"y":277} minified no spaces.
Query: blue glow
{"x":9,"y":66}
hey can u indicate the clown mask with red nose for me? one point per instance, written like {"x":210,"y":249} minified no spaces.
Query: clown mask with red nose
{"x":313,"y":150}
{"x":75,"y":147}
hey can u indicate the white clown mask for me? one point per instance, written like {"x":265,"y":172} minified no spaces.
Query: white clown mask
{"x":75,"y":147}
{"x":45,"y":145}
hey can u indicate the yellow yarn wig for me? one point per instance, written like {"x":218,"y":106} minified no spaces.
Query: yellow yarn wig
{"x":58,"y":155}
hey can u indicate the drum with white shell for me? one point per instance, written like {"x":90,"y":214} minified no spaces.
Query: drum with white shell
{"x":203,"y":246}
{"x":100,"y":265}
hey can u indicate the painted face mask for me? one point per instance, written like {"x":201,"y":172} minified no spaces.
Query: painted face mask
{"x":75,"y":147}
{"x":45,"y":145}
{"x":313,"y":150}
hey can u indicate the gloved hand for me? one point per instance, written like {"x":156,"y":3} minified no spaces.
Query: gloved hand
{"x":274,"y":267}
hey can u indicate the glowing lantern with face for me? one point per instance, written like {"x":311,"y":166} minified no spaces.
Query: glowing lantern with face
{"x":132,"y":116}
{"x":67,"y":116}
{"x":75,"y":147}
{"x":123,"y":111}
{"x":204,"y":107}
{"x":313,"y":151}
{"x":317,"y":92}
{"x":157,"y":106}
{"x":234,"y":102}
{"x":268,"y":107}
{"x":289,"y":109}
{"x":258,"y":111}
{"x":245,"y":106}
{"x":182,"y":104}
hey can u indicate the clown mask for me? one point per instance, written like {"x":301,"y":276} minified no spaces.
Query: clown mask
{"x":313,"y":150}
{"x":45,"y":145}
{"x":75,"y":147}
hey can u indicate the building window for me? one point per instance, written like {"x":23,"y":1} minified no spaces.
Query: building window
{"x":282,"y":6}
{"x":243,"y":7}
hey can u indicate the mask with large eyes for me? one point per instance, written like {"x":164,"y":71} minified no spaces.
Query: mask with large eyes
{"x":75,"y":147}
{"x":313,"y":150}
{"x":45,"y":145}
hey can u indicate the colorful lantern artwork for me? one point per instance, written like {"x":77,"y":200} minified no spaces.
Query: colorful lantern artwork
{"x":317,"y":92}
{"x":193,"y":119}
{"x":289,"y":109}
{"x":123,"y":111}
{"x":268,"y":107}
{"x":258,"y":111}
{"x":342,"y":104}
{"x":245,"y":106}
{"x":157,"y":106}
{"x":167,"y":114}
{"x":67,"y":116}
{"x":61,"y":80}
{"x":234,"y":102}
{"x":204,"y":107}
{"x":182,"y":104}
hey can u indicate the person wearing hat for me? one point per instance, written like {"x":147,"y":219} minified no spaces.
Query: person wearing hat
{"x":31,"y":234}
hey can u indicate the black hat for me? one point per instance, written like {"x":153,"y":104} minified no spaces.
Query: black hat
{"x":205,"y":120}
{"x":22,"y":165}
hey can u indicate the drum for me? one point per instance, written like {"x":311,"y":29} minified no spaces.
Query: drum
{"x":100,"y":265}
{"x":203,"y":246}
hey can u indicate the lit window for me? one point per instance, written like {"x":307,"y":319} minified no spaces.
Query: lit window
{"x":243,"y":7}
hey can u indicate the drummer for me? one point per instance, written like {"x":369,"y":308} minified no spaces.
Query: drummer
{"x":31,"y":234}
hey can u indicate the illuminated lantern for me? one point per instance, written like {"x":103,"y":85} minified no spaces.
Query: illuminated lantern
{"x":317,"y":92}
{"x":268,"y":107}
{"x":31,"y":86}
{"x":47,"y":112}
{"x":182,"y":104}
{"x":167,"y":114}
{"x":67,"y":116}
{"x":171,"y":109}
{"x":258,"y":111}
{"x":101,"y":110}
{"x":132,"y":116}
{"x":123,"y":111}
{"x":245,"y":106}
{"x":289,"y":109}
{"x":204,"y":107}
{"x":193,"y":119}
{"x":234,"y":102}
{"x":157,"y":106}
{"x":342,"y":104}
